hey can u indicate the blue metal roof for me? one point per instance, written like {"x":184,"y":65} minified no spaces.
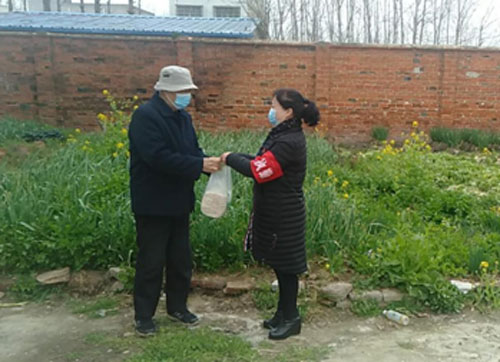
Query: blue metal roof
{"x":85,"y":23}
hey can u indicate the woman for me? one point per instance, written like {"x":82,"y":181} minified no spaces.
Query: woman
{"x":276,"y":234}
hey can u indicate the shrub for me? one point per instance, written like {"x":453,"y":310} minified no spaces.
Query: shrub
{"x":380,"y":133}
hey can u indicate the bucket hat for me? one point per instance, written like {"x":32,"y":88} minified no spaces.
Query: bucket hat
{"x":175,"y":79}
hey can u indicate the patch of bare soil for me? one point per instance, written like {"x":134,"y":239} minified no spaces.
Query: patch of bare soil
{"x":51,"y":332}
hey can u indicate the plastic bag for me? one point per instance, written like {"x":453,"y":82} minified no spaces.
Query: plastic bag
{"x":217,"y":193}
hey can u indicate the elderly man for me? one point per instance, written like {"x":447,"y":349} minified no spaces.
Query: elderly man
{"x":165,"y":161}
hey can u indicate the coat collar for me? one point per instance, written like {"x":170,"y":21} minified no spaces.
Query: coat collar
{"x":292,"y":123}
{"x":162,"y":107}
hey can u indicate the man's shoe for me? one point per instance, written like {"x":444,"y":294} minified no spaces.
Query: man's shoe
{"x":145,"y":328}
{"x":274,"y":321}
{"x":286,"y":329}
{"x":184,"y":317}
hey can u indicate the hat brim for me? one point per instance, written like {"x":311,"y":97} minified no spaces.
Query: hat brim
{"x":160,"y":87}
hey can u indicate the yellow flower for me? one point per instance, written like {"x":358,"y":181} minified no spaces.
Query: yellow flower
{"x":78,"y":130}
{"x":335,"y":179}
{"x":85,"y":148}
{"x":413,"y":134}
{"x":384,"y":142}
{"x":486,"y":150}
{"x":392,"y":142}
{"x":102,"y":117}
{"x":115,"y":154}
{"x":135,"y":98}
{"x":330,"y":173}
{"x":415,"y":124}
{"x":120,"y":145}
{"x":124,"y":131}
{"x":484,"y":264}
{"x":379,"y":158}
{"x":327,"y":266}
{"x":323,"y":185}
{"x":407,"y":142}
{"x":345,"y":184}
{"x":127,"y":154}
{"x":105,"y":92}
{"x":135,"y":107}
{"x":428,"y":148}
{"x":346,"y":196}
{"x":87,"y":142}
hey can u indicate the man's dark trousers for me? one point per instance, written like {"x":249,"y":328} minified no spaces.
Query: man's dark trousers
{"x":162,"y":241}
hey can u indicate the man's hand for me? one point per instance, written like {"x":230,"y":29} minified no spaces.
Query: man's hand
{"x":211,"y":164}
{"x":224,"y":157}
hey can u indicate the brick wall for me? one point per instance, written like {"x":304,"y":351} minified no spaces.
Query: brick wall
{"x":59,"y":79}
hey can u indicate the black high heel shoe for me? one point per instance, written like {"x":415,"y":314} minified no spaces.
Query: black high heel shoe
{"x":274,"y":321}
{"x":286,"y":329}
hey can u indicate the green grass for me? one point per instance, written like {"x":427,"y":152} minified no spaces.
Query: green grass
{"x":75,"y":356}
{"x":407,"y":218}
{"x":406,"y":306}
{"x":71,"y":208}
{"x":97,"y":338}
{"x":15,"y":151}
{"x":27,"y":288}
{"x":177,"y":343}
{"x":456,"y":137}
{"x":265,"y":300}
{"x":13,"y":130}
{"x":99,"y":308}
{"x":366,"y":308}
{"x":180,"y":344}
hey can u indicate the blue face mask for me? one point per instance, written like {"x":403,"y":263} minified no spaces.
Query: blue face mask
{"x":272,"y":117}
{"x":182,"y":100}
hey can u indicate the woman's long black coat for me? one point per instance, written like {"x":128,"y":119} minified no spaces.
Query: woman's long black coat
{"x":278,"y":225}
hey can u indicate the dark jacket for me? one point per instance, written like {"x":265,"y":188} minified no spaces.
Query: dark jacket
{"x":165,"y":160}
{"x":277,"y":231}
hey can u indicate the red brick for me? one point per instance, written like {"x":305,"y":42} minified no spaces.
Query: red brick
{"x":59,"y":79}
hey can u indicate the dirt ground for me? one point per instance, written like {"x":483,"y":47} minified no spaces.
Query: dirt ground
{"x":51,"y":332}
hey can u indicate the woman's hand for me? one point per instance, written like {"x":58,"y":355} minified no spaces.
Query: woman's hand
{"x":224,"y":157}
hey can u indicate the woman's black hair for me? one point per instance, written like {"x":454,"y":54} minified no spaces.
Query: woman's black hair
{"x":303,"y":108}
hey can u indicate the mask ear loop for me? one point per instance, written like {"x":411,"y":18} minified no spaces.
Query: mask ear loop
{"x":166,"y":98}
